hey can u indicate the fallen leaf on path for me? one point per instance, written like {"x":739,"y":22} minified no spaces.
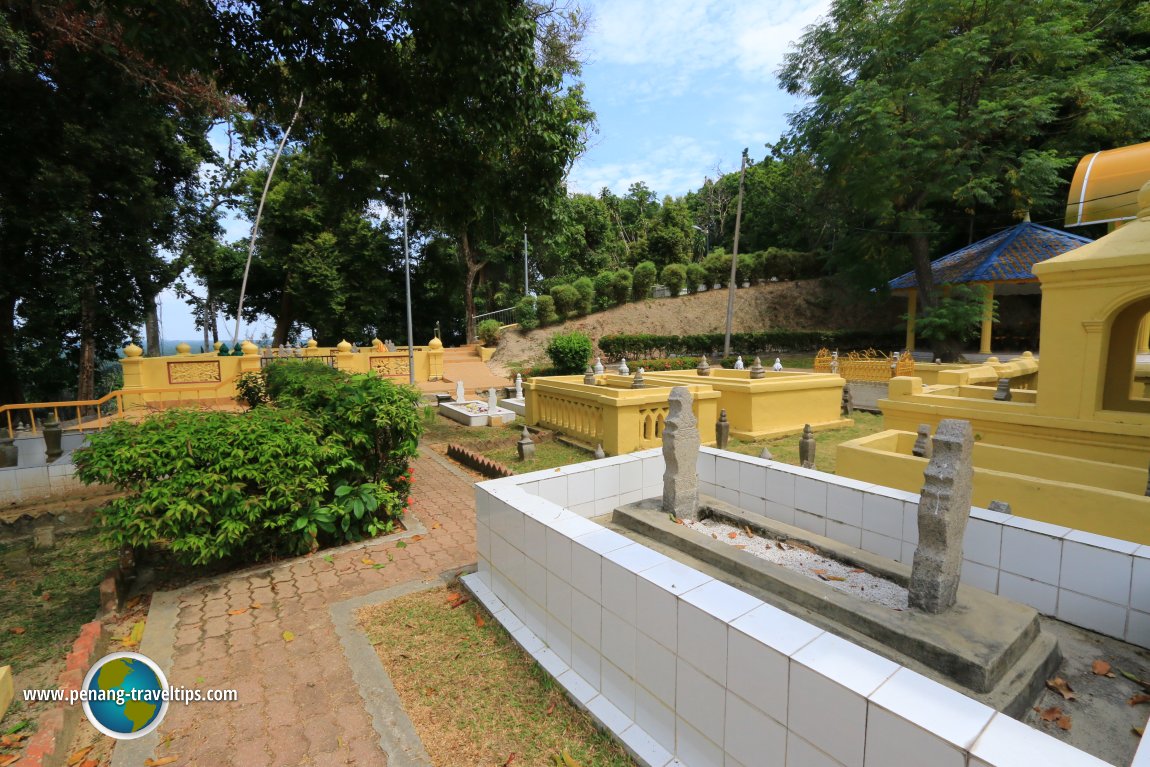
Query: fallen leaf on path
{"x":1139,"y":698}
{"x":462,"y":601}
{"x":12,"y":739}
{"x":46,"y":596}
{"x":1140,"y":682}
{"x":732,"y":535}
{"x":550,"y":709}
{"x":834,"y":578}
{"x":1101,"y":668}
{"x":1048,"y":714}
{"x":78,"y":756}
{"x":17,"y":630}
{"x":136,"y":635}
{"x":1138,"y":731}
{"x":818,"y":571}
{"x":569,"y":760}
{"x":256,"y":606}
{"x":1062,"y":687}
{"x":416,"y":538}
{"x":240,"y":611}
{"x":509,"y":760}
{"x":368,"y":561}
{"x":400,"y":545}
{"x":740,"y":546}
{"x":288,"y":636}
{"x":479,"y":620}
{"x":8,"y":759}
{"x":434,"y":525}
{"x":747,"y":530}
{"x":90,"y":763}
{"x":1064,"y":722}
{"x":858,"y":570}
{"x":160,"y":762}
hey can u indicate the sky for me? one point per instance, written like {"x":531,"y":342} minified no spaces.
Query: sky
{"x":679,"y":88}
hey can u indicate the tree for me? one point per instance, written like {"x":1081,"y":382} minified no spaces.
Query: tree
{"x":926,"y":112}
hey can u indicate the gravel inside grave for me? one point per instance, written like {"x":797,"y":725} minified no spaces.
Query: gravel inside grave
{"x":801,"y":559}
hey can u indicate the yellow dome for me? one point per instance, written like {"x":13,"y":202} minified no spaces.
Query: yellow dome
{"x":343,"y":346}
{"x":183,"y":348}
{"x":435,"y":343}
{"x":131,"y":350}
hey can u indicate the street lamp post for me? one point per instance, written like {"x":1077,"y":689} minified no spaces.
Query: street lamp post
{"x":407,"y":281}
{"x":706,"y":238}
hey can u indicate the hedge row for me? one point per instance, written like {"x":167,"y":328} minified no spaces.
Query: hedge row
{"x":764,"y":342}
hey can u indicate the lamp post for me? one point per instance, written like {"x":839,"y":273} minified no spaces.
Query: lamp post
{"x":407,"y":281}
{"x":526,"y":291}
{"x":706,"y":238}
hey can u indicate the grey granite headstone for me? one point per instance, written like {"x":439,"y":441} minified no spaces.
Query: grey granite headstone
{"x":1000,"y":506}
{"x":681,"y":455}
{"x":492,"y":401}
{"x":757,"y":369}
{"x":459,"y":391}
{"x":1002,"y":393}
{"x":623,"y":369}
{"x":921,"y":447}
{"x":943,"y":509}
{"x":722,"y":431}
{"x":704,"y":367}
{"x":766,"y":454}
{"x":589,"y":376}
{"x":525,"y":446}
{"x":598,"y":366}
{"x":807,"y":448}
{"x":848,"y":402}
{"x":638,"y":382}
{"x":599,"y":451}
{"x":518,"y":386}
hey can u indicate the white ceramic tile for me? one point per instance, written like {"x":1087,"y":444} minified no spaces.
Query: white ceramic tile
{"x":586,"y":619}
{"x":910,"y":522}
{"x":618,"y":643}
{"x":777,"y":629}
{"x":535,"y":540}
{"x":655,"y":668}
{"x":720,"y":600}
{"x":851,"y":666}
{"x":572,"y":525}
{"x":528,"y":640}
{"x":1102,"y":541}
{"x":585,"y":660}
{"x":559,"y":638}
{"x":706,"y":464}
{"x":1142,"y":755}
{"x":699,"y":700}
{"x":980,"y":576}
{"x":636,"y":558}
{"x":758,"y":674}
{"x":811,"y":496}
{"x":619,"y":591}
{"x":1034,"y":526}
{"x":609,"y":715}
{"x":535,"y":581}
{"x":1041,"y":596}
{"x":882,"y":515}
{"x":703,"y":640}
{"x":580,"y":489}
{"x":843,"y":533}
{"x":578,"y":687}
{"x":1091,"y":613}
{"x":554,"y":490}
{"x":816,"y":700}
{"x":949,"y":715}
{"x":631,"y":496}
{"x":891,"y":740}
{"x":636,"y":740}
{"x":814,"y":523}
{"x":784,"y":513}
{"x":727,"y":472}
{"x":907,"y":553}
{"x":551,"y":663}
{"x":751,"y":736}
{"x":1138,"y":629}
{"x":727,"y":493}
{"x":482,"y":541}
{"x":1007,"y":741}
{"x":753,"y":480}
{"x":844,"y":505}
{"x":708,"y":489}
{"x":507,"y":559}
{"x":586,"y":571}
{"x":559,"y":598}
{"x":559,"y":554}
{"x":606,"y":482}
{"x":657,"y":613}
{"x":891,"y":548}
{"x":618,"y":687}
{"x":585,"y":510}
{"x":752,"y":503}
{"x":673,"y":577}
{"x":653,"y":469}
{"x":694,"y":747}
{"x":507,"y":522}
{"x":631,"y":477}
{"x":802,"y":754}
{"x":781,"y":487}
{"x":1140,"y":595}
{"x":656,"y":719}
{"x":1097,"y":572}
{"x":982,"y":542}
{"x":483,"y":503}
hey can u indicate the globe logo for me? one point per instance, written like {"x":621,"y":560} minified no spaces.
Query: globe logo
{"x":124,"y":695}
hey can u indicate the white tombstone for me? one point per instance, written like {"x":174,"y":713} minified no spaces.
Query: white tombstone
{"x":459,"y":391}
{"x":739,"y":363}
{"x":778,"y":366}
{"x":491,"y":402}
{"x":623,"y":369}
{"x":518,"y":386}
{"x":598,"y":366}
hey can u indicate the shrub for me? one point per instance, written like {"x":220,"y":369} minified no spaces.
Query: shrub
{"x":644,"y":278}
{"x":696,"y":277}
{"x":604,"y":290}
{"x":569,"y":352}
{"x":252,"y":388}
{"x":788,"y":264}
{"x":566,"y":298}
{"x":586,"y":290}
{"x":718,"y":268}
{"x":545,"y":309}
{"x":646,"y":346}
{"x":525,"y":315}
{"x":621,"y":286}
{"x":674,"y":277}
{"x":744,"y":270}
{"x":219,"y":485}
{"x":488,"y":332}
{"x":953,"y":317}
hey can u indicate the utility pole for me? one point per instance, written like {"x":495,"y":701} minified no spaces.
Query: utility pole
{"x":734,"y":261}
{"x":407,"y":281}
{"x":525,"y":290}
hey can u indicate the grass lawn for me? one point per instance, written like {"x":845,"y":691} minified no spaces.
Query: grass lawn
{"x":498,"y":444}
{"x":786,"y":449}
{"x":474,"y":697}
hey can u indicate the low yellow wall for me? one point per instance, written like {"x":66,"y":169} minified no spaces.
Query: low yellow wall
{"x":1022,"y":372}
{"x":773,"y":406}
{"x":1016,"y":424}
{"x":1086,"y":495}
{"x":622,"y":420}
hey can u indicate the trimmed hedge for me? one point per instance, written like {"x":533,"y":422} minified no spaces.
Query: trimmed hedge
{"x":761,"y":343}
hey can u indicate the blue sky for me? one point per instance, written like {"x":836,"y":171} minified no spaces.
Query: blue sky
{"x":679,"y":88}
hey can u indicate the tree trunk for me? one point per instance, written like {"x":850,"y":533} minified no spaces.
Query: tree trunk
{"x":86,"y":385}
{"x":11,"y":392}
{"x":920,"y":250}
{"x":474,"y":267}
{"x":206,"y":320}
{"x":152,"y":340}
{"x":286,"y":317}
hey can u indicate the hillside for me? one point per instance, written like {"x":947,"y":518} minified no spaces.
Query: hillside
{"x":800,"y":305}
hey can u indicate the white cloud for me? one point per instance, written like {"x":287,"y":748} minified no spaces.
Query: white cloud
{"x":672,"y":166}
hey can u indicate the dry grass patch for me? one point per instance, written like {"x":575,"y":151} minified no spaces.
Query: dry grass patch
{"x":474,"y":697}
{"x":786,"y":449}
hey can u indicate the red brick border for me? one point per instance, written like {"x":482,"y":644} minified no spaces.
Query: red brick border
{"x":481,"y":464}
{"x":49,"y":746}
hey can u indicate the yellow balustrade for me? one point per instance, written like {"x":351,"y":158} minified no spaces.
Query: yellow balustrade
{"x":1092,"y":495}
{"x":775,"y":405}
{"x":621,"y":419}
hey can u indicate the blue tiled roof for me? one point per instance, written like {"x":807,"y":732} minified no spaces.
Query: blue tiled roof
{"x":1002,"y":257}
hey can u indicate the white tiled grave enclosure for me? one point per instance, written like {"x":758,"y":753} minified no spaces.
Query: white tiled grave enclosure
{"x":687,"y":670}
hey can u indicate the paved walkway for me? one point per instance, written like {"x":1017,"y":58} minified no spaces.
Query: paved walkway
{"x":298,"y":703}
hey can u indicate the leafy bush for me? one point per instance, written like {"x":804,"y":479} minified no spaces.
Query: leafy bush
{"x":252,"y":388}
{"x":776,"y":263}
{"x":744,"y":270}
{"x":696,"y":277}
{"x":586,"y":290}
{"x":545,"y":309}
{"x":569,"y":352}
{"x":566,"y":298}
{"x":718,"y":268}
{"x":524,"y":314}
{"x":954,"y":317}
{"x":643,"y":279}
{"x":674,"y":277}
{"x":748,"y":344}
{"x":621,"y":286}
{"x":604,"y":290}
{"x":488,"y":332}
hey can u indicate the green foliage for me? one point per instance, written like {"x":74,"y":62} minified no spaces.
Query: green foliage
{"x":957,"y":316}
{"x":643,"y":279}
{"x":545,"y":310}
{"x":645,"y":346}
{"x":783,"y":265}
{"x":696,"y":277}
{"x":586,"y":290}
{"x":621,"y":286}
{"x":605,"y":290}
{"x":488,"y":331}
{"x":718,"y":268}
{"x":744,"y":270}
{"x":252,"y":388}
{"x":569,"y":352}
{"x":525,"y":315}
{"x":674,"y":277}
{"x":566,"y":298}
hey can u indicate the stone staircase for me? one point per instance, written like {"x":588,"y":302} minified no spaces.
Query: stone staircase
{"x":462,"y":363}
